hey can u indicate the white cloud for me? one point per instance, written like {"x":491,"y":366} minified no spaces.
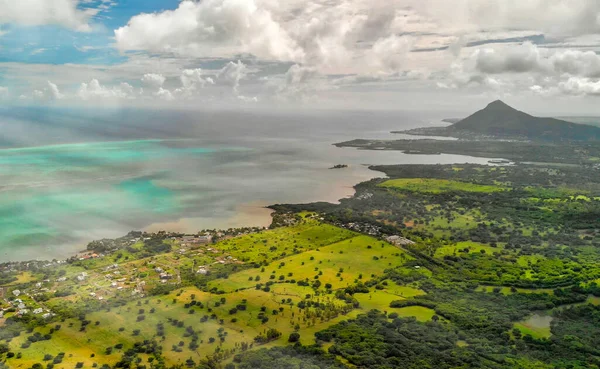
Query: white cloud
{"x":390,"y":54}
{"x":526,"y":67}
{"x":54,"y":92}
{"x":580,"y":86}
{"x":94,"y":91}
{"x":519,"y":59}
{"x":49,"y":93}
{"x":556,"y":18}
{"x":164,"y":94}
{"x":299,"y":83}
{"x":194,"y":79}
{"x":3,"y":92}
{"x":40,"y":12}
{"x":226,"y":27}
{"x":531,"y":58}
{"x":232,"y":73}
{"x":340,"y":37}
{"x":153,"y":80}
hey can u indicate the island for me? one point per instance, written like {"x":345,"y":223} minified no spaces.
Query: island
{"x":500,"y":121}
{"x":433,"y":266}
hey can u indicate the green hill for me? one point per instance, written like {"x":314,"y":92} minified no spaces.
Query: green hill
{"x":500,"y":120}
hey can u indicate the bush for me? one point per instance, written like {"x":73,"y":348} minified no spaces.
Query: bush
{"x":294,"y":337}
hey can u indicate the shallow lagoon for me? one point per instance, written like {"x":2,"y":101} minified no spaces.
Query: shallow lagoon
{"x":102,"y":175}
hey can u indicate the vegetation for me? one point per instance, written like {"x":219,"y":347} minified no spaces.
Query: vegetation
{"x":499,"y":120}
{"x":446,"y":266}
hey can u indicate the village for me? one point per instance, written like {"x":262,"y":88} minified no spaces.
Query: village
{"x":112,"y":269}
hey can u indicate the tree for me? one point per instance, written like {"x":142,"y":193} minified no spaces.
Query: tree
{"x":294,"y":337}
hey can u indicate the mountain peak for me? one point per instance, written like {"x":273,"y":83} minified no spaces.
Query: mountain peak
{"x":500,"y":120}
{"x":498,"y":104}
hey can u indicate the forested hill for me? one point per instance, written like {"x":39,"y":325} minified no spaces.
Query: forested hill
{"x":499,"y":119}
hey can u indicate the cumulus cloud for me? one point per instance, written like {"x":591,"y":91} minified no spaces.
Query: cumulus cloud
{"x":519,"y":59}
{"x":556,"y":18}
{"x":94,"y":91}
{"x":390,"y":54}
{"x":164,"y":94}
{"x":531,"y":58}
{"x":153,"y":80}
{"x":194,"y":79}
{"x":49,"y":93}
{"x":527,"y":67}
{"x":299,"y":83}
{"x":202,"y":28}
{"x":232,"y":73}
{"x":344,"y":36}
{"x":580,"y":86}
{"x":40,"y":12}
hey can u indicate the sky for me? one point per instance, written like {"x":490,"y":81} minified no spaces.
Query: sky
{"x":538,"y":55}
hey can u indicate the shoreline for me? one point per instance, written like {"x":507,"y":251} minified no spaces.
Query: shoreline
{"x":330,"y":189}
{"x":252,"y":214}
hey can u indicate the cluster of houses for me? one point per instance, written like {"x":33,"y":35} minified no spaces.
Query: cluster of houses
{"x":21,"y":307}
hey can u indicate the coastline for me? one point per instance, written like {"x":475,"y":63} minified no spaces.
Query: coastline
{"x":252,"y":214}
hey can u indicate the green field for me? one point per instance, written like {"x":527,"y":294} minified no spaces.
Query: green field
{"x":339,"y":264}
{"x":466,"y":247}
{"x":422,"y":314}
{"x":538,"y":326}
{"x":437,"y":186}
{"x":309,"y":251}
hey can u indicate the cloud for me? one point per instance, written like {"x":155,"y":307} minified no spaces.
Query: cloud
{"x":531,"y":58}
{"x":556,"y":18}
{"x":298,"y":83}
{"x":232,"y":73}
{"x":41,"y":12}
{"x":194,"y":79}
{"x":164,"y":94}
{"x":520,"y":59}
{"x":580,"y":86}
{"x":226,"y":27}
{"x":3,"y":92}
{"x":527,"y":67}
{"x":49,"y":93}
{"x":94,"y":91}
{"x":390,"y":54}
{"x":153,"y":80}
{"x":344,"y":36}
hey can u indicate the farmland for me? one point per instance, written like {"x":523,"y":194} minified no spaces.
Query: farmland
{"x":471,"y":265}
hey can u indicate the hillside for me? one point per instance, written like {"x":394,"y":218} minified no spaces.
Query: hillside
{"x":501,"y":120}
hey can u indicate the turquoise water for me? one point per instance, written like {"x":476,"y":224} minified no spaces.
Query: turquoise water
{"x":57,"y":197}
{"x":52,"y":195}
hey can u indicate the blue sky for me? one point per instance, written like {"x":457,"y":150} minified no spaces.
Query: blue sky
{"x":54,"y":44}
{"x":344,"y":53}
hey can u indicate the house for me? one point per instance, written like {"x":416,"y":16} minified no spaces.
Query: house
{"x":165,"y":276}
{"x":399,"y":241}
{"x":204,"y":239}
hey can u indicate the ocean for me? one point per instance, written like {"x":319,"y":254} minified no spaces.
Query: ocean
{"x":69,"y":176}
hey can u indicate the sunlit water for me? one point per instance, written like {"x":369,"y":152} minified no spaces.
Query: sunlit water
{"x":67,"y":177}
